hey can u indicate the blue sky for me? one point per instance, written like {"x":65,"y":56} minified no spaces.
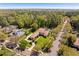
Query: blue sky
{"x":40,"y":5}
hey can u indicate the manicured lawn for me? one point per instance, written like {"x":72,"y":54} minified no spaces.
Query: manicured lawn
{"x":40,"y":43}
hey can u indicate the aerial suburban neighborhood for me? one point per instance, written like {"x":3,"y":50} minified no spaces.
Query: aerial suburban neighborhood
{"x":39,"y":32}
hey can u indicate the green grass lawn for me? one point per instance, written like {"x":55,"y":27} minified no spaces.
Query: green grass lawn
{"x":41,"y":42}
{"x":6,"y":52}
{"x":23,"y":38}
{"x":3,"y":35}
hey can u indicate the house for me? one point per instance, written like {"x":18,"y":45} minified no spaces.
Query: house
{"x":6,"y":30}
{"x":10,"y":45}
{"x":1,"y":42}
{"x":77,"y":42}
{"x":34,"y":35}
{"x":17,"y":32}
{"x":34,"y":53}
{"x":12,"y":39}
{"x":43,"y":32}
{"x":39,"y":32}
{"x":9,"y":29}
{"x":25,"y":52}
{"x":0,"y":27}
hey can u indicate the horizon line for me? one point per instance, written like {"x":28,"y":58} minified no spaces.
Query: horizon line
{"x":39,"y":5}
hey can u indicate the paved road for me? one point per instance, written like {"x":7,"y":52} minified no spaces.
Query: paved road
{"x":56,"y":43}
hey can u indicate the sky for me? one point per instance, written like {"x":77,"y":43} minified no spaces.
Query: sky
{"x":39,"y":5}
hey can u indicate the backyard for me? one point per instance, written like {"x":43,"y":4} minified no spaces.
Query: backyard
{"x":40,"y":43}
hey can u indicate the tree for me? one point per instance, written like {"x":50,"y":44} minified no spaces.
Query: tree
{"x":11,"y":20}
{"x":75,"y":22}
{"x":6,"y":52}
{"x":28,"y":21}
{"x":68,"y":39}
{"x":34,"y":27}
{"x":20,"y":24}
{"x":41,"y":21}
{"x":1,"y":52}
{"x":3,"y":36}
{"x":3,"y":21}
{"x":67,"y":51}
{"x":23,"y":44}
